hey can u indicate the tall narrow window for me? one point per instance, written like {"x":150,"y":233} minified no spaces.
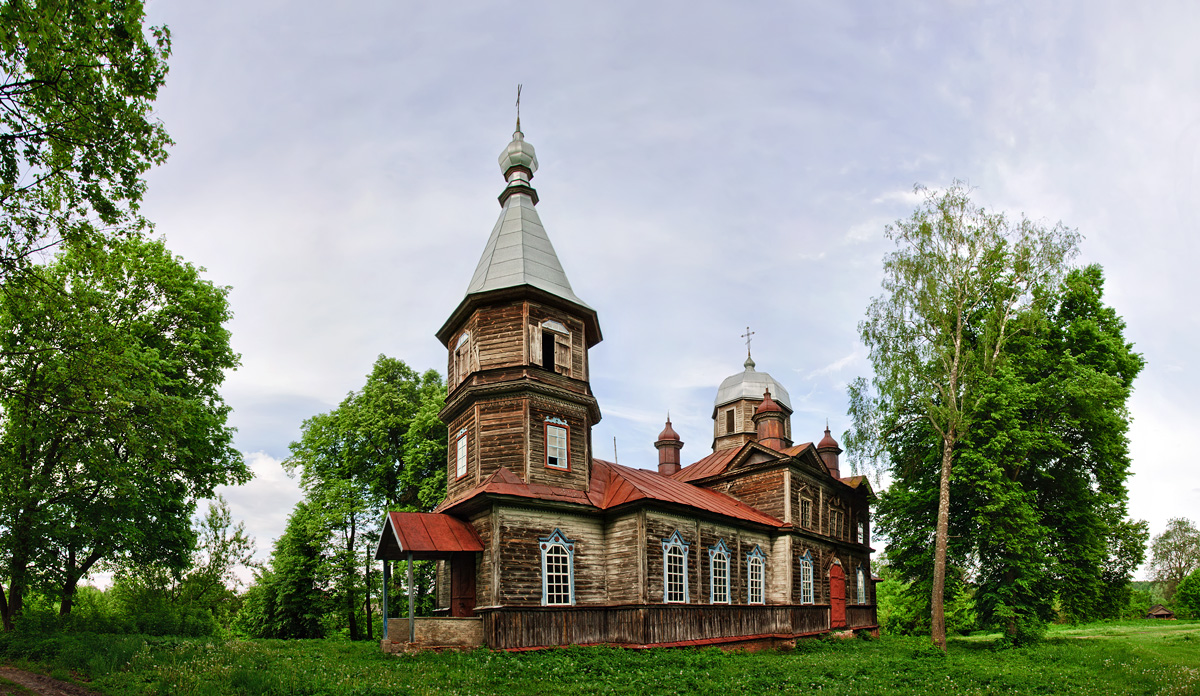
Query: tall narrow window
{"x":862,"y":532}
{"x":556,"y":444}
{"x":556,"y":347}
{"x":548,"y":350}
{"x":862,"y":586}
{"x":462,"y":358}
{"x":718,"y":574}
{"x":729,"y":421}
{"x":755,"y":576}
{"x":460,"y":455}
{"x":675,"y":583}
{"x":806,"y":513}
{"x":806,"y":578}
{"x":558,"y":569}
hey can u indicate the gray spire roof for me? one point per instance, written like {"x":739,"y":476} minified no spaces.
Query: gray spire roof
{"x":519,"y":251}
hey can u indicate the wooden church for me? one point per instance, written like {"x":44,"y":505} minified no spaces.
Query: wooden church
{"x":540,"y":543}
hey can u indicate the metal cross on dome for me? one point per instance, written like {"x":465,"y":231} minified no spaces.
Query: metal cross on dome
{"x":747,"y":336}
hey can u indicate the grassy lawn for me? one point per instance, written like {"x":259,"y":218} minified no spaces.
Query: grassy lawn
{"x":1118,"y":658}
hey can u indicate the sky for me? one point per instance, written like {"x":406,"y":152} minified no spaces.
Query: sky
{"x":705,"y":167}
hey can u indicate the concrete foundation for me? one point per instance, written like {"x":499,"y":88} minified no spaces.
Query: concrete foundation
{"x":434,"y":632}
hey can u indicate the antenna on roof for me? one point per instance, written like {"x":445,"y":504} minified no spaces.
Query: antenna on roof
{"x":615,"y":450}
{"x":518,"y":107}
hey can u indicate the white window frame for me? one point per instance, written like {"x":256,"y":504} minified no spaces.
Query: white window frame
{"x":557,"y":545}
{"x":718,"y":582}
{"x":554,"y":428}
{"x":862,"y":586}
{"x":806,"y":579}
{"x":756,"y":576}
{"x":806,"y":508}
{"x":675,"y":547}
{"x":862,"y":532}
{"x":460,"y":454}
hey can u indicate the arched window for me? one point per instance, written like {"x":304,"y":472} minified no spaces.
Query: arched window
{"x":862,"y":586}
{"x":460,"y":454}
{"x":756,"y":573}
{"x":558,"y":569}
{"x":806,"y":578}
{"x":718,"y":574}
{"x":675,"y":581}
{"x":462,"y":358}
{"x":550,"y":346}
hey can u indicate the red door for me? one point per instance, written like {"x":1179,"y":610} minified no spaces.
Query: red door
{"x":837,"y":596}
{"x":462,"y":584}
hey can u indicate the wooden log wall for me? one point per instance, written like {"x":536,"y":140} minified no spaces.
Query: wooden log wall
{"x":520,"y":558}
{"x":529,"y":627}
{"x":861,"y":615}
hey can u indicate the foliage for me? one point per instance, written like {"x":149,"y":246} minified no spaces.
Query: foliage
{"x":383,"y":448}
{"x":1134,"y":658}
{"x":195,"y":600}
{"x":1039,"y":489}
{"x":113,"y":423}
{"x":958,"y":278}
{"x":286,"y":600}
{"x":1187,"y":597}
{"x":77,"y":82}
{"x":1174,"y":554}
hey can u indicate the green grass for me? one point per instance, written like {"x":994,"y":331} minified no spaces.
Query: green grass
{"x":1117,"y":658}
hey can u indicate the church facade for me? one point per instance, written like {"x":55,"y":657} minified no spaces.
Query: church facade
{"x":539,"y":542}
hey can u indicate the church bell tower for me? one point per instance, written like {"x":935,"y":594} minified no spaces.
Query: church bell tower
{"x":517,"y":344}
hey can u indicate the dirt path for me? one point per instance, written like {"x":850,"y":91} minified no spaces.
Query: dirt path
{"x":39,"y":684}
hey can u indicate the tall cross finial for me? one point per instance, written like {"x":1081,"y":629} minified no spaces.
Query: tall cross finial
{"x":518,"y":107}
{"x":747,"y":336}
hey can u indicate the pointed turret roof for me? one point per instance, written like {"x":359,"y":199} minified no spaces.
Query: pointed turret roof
{"x":519,"y":253}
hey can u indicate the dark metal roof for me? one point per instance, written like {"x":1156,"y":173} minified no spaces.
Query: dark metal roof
{"x":426,"y":535}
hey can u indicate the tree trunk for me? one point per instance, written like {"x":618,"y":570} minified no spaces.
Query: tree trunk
{"x":351,"y":577}
{"x":942,"y":539}
{"x":367,"y":603}
{"x":4,"y":610}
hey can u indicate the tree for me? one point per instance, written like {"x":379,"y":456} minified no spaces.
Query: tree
{"x":1039,"y":486}
{"x":77,"y":82}
{"x":383,"y":448}
{"x":286,"y":599}
{"x":1174,"y":554}
{"x":951,"y":290}
{"x":1187,"y":596}
{"x":112,"y":421}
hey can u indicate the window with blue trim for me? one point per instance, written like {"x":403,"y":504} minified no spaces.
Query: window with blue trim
{"x":558,"y":569}
{"x":862,"y":586}
{"x":806,"y":578}
{"x":756,"y":575}
{"x":718,"y":574}
{"x":675,"y":581}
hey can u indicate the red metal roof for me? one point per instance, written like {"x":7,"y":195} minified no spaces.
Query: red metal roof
{"x":505,"y":482}
{"x":426,"y":534}
{"x":626,"y":485}
{"x":711,"y":465}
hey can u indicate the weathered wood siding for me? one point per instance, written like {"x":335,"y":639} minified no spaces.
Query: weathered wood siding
{"x":578,"y":475}
{"x":578,"y":366}
{"x":761,"y":490}
{"x":520,"y":559}
{"x":485,"y":580}
{"x":499,"y":335}
{"x":624,"y":569}
{"x":528,"y":627}
{"x":660,"y":526}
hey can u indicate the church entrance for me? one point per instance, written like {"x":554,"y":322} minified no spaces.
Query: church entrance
{"x":462,"y":584}
{"x":837,"y":596}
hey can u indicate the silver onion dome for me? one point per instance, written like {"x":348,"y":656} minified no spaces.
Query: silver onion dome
{"x":751,"y":384}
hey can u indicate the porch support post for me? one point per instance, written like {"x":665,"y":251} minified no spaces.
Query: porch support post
{"x":387,"y":580}
{"x":412,"y":626}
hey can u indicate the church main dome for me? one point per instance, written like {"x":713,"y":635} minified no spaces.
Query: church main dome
{"x":750,"y":384}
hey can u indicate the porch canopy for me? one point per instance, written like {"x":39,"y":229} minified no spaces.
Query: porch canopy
{"x":420,"y":536}
{"x":424,"y":536}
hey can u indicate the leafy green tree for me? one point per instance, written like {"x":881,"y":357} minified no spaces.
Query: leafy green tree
{"x":112,"y":421}
{"x":1187,"y":596}
{"x":382,"y":448}
{"x":1174,"y":554}
{"x":1039,"y":489}
{"x":77,"y":83}
{"x":287,"y":599}
{"x":952,"y":288}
